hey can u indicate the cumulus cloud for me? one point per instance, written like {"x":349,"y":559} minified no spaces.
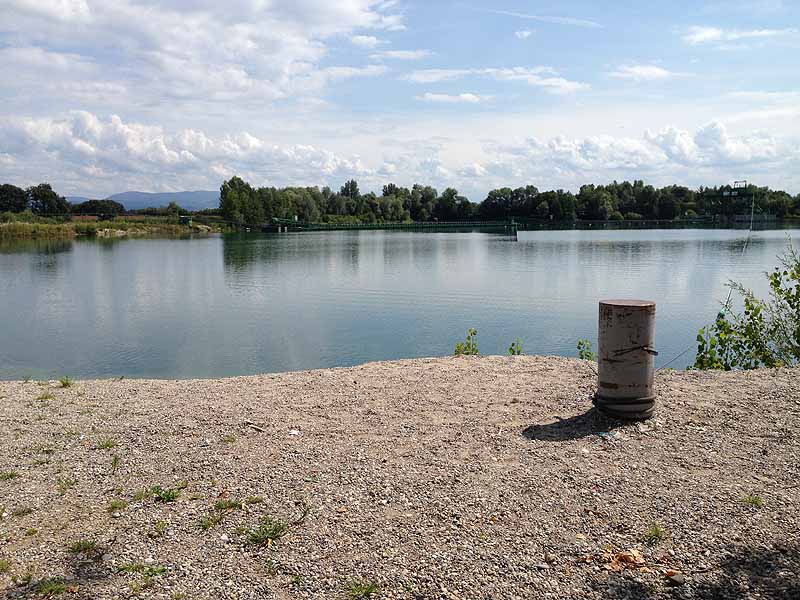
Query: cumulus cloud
{"x":546,"y":78}
{"x":523,"y":34}
{"x":696,"y":35}
{"x":120,"y":151}
{"x":644,"y":73}
{"x":452,"y":98}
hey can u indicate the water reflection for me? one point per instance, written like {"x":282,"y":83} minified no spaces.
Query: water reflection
{"x":239,"y":304}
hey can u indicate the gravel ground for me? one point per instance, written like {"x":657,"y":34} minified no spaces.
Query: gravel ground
{"x":459,"y":477}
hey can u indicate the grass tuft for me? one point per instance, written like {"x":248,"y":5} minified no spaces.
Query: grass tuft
{"x":45,"y":396}
{"x":21,"y":511}
{"x":8,"y":475}
{"x":361,"y":590}
{"x":227,"y":504}
{"x":83,"y":547}
{"x":64,"y":484}
{"x":164,"y":495}
{"x":268,"y":531}
{"x":211,"y":521}
{"x":117,"y":505}
{"x":5,"y":565}
{"x":753,"y":500}
{"x":65,"y":382}
{"x":51,"y":587}
{"x":139,"y":568}
{"x":655,"y":534}
{"x":107,"y":444}
{"x":254,"y":500}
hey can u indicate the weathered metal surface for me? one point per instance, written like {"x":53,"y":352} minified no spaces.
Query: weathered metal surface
{"x":626,"y":351}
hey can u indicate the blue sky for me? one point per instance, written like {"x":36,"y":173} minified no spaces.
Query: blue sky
{"x":101,"y":97}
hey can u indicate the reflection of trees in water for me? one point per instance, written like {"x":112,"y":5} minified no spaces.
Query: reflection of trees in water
{"x":44,"y":256}
{"x":289,"y":254}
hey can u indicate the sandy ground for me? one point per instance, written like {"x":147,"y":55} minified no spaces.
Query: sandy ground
{"x":443,"y":478}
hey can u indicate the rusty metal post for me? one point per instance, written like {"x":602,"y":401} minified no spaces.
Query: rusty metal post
{"x":625,"y":374}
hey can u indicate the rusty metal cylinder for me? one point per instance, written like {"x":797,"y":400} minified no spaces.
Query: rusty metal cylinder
{"x":625,"y":359}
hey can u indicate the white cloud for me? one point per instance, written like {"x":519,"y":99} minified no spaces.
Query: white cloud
{"x":401,"y":54}
{"x":703,"y":35}
{"x":366,"y":41}
{"x":550,"y":19}
{"x":130,"y":154}
{"x":523,"y":34}
{"x":202,"y":53}
{"x":452,"y":98}
{"x":543,"y":77}
{"x":644,"y":73}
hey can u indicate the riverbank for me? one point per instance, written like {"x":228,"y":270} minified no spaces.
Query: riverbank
{"x":100,"y":229}
{"x":469,"y":477}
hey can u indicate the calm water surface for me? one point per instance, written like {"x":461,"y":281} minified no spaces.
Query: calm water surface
{"x":244,"y":304}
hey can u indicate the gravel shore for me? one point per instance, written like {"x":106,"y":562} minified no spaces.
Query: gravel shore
{"x":464,"y":477}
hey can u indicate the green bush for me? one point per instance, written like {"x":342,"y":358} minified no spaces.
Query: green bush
{"x":765,"y":334}
{"x":585,"y":351}
{"x":468,"y":346}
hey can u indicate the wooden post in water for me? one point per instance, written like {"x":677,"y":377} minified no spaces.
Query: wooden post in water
{"x":625,"y":359}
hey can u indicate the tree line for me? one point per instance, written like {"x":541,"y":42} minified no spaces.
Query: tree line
{"x":41,"y":200}
{"x":242,"y":203}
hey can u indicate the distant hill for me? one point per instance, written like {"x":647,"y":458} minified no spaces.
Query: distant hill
{"x":190,"y":200}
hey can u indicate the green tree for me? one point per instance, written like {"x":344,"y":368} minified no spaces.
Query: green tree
{"x":12,"y":198}
{"x":44,"y":201}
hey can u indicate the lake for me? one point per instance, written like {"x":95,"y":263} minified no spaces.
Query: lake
{"x":252,"y":303}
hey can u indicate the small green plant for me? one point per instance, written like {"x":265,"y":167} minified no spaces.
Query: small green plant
{"x":64,"y":484}
{"x":139,"y":568}
{"x":254,"y":500}
{"x":45,"y":396}
{"x":5,"y":565}
{"x":8,"y":475}
{"x":753,"y":500}
{"x":26,"y":379}
{"x":107,"y":443}
{"x":21,"y":511}
{"x":51,"y":587}
{"x":585,"y":351}
{"x":268,"y":531}
{"x":142,"y":495}
{"x":23,"y":579}
{"x":83,"y":547}
{"x":224,"y":504}
{"x":31,"y":531}
{"x":160,"y":528}
{"x":515,"y":349}
{"x":655,"y":534}
{"x":115,"y":462}
{"x":65,"y":382}
{"x":229,"y":439}
{"x":469,"y":346}
{"x":361,"y":590}
{"x":164,"y":495}
{"x":211,"y":521}
{"x":117,"y":505}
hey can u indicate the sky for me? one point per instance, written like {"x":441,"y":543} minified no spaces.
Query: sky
{"x":100,"y":97}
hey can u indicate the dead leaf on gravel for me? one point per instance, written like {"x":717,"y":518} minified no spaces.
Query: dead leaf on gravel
{"x":629,"y":559}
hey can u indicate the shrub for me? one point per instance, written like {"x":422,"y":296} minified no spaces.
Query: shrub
{"x":585,"y":351}
{"x":468,"y":346}
{"x":515,"y":349}
{"x":765,"y":334}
